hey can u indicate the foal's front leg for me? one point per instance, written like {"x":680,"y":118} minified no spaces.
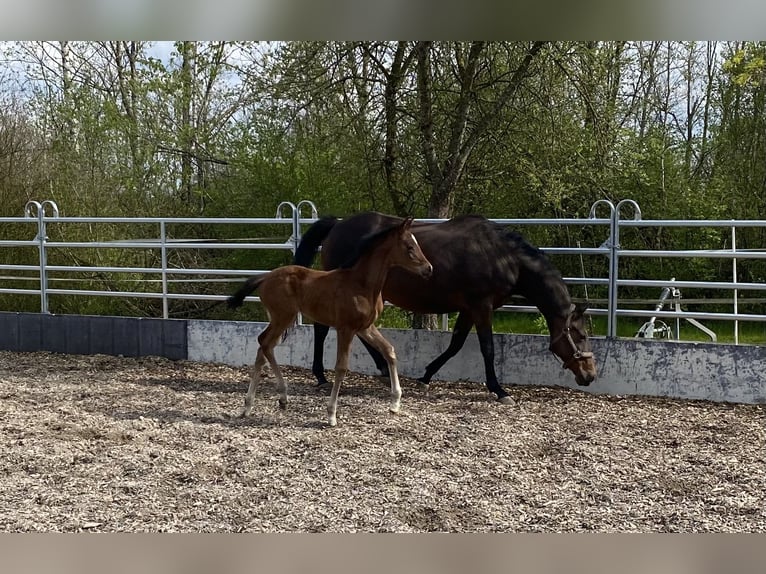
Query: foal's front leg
{"x":374,"y":337}
{"x":345,"y":338}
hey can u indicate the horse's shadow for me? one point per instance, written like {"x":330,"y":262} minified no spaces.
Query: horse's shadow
{"x":379,"y":387}
{"x":193,"y":385}
{"x":261,"y":419}
{"x":267,"y":392}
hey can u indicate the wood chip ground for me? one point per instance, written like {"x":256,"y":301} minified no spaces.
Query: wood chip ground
{"x":101,"y":444}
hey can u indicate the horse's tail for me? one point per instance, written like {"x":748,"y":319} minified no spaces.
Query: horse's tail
{"x":312,"y":240}
{"x":248,"y":287}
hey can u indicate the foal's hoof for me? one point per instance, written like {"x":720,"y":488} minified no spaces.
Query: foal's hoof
{"x":243,"y":412}
{"x":395,"y":409}
{"x":423,"y":387}
{"x":332,"y":422}
{"x":282,"y":405}
{"x":506,"y":400}
{"x":383,"y":379}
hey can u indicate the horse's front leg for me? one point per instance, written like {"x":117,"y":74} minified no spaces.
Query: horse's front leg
{"x":460,"y":332}
{"x":374,"y":337}
{"x":345,"y":338}
{"x":487,"y":347}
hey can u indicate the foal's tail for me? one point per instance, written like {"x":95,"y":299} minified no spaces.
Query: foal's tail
{"x":312,"y":240}
{"x":248,"y":287}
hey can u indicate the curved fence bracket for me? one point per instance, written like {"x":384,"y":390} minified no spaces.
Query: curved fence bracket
{"x":311,"y":205}
{"x":38,"y":209}
{"x":613,"y":244}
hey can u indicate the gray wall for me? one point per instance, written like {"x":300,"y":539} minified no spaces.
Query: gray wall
{"x":626,"y":366}
{"x":87,"y":335}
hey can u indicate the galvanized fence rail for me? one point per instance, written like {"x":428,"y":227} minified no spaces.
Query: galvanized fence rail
{"x":38,"y":216}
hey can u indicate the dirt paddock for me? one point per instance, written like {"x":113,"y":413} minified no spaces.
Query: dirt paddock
{"x":99,"y":443}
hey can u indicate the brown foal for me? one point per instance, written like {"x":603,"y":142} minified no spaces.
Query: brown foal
{"x":347,"y":298}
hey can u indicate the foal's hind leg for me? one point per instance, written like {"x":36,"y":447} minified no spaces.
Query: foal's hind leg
{"x":377,"y":357}
{"x":374,"y":337}
{"x":255,"y":377}
{"x":281,"y":385}
{"x":268,"y":339}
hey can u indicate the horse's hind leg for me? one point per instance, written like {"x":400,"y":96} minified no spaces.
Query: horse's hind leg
{"x":317,"y":366}
{"x":374,"y":337}
{"x":345,"y":338}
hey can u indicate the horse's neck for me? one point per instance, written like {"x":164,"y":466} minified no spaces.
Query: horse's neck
{"x":548,"y":293}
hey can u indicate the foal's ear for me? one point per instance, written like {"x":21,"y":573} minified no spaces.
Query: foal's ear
{"x":579,"y":309}
{"x":407,"y":223}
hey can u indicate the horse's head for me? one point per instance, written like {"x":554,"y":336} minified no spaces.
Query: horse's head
{"x":569,"y":342}
{"x":407,"y":252}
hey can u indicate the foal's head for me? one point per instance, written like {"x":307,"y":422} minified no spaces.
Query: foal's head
{"x":569,"y":342}
{"x":406,"y":251}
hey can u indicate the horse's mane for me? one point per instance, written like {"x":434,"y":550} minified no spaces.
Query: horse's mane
{"x":543,"y":277}
{"x":529,"y":251}
{"x":366,"y":243}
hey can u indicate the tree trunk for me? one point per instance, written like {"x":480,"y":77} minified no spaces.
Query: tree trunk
{"x":187,"y":139}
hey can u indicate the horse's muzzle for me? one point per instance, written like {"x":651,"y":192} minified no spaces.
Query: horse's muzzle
{"x":584,"y":379}
{"x":426,"y":271}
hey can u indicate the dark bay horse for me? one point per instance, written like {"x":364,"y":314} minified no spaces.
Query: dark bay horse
{"x":478,"y":265}
{"x":347,"y":298}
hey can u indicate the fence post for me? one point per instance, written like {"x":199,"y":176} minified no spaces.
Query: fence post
{"x":294,"y":216}
{"x":164,"y":263}
{"x":610,"y":243}
{"x":41,"y":238}
{"x":734,"y":279}
{"x":613,"y":243}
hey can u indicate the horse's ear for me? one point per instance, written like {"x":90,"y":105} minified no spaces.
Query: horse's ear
{"x":407,"y":223}
{"x":579,"y":309}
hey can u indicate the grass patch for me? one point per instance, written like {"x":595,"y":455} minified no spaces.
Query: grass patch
{"x":534,"y":324}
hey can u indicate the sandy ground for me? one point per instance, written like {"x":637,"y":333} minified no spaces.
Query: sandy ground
{"x":98,"y":443}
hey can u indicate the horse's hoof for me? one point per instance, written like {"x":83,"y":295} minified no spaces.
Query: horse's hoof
{"x":506,"y":400}
{"x":423,"y":387}
{"x":395,"y":409}
{"x":282,"y":405}
{"x":243,"y":412}
{"x":332,"y":422}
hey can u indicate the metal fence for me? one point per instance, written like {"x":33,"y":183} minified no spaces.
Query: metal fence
{"x":39,"y":216}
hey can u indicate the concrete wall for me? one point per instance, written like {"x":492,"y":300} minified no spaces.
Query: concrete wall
{"x":626,"y":366}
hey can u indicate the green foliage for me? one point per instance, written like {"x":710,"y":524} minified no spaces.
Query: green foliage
{"x":230,"y":129}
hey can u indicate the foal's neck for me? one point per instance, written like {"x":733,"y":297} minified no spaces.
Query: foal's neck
{"x":371,"y":269}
